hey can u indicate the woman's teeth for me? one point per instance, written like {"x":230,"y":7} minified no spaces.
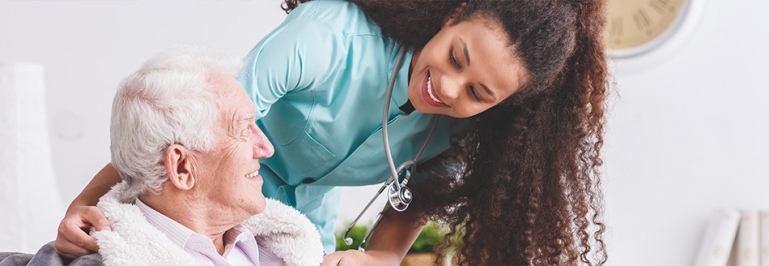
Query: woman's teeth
{"x":430,"y":90}
{"x":253,"y":174}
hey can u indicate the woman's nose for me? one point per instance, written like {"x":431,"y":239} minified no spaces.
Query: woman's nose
{"x":450,"y":87}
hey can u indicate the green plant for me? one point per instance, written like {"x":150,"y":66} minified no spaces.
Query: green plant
{"x":357,"y":233}
{"x":430,"y":235}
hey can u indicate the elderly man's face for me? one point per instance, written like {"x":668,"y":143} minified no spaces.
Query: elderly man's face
{"x":228,"y":175}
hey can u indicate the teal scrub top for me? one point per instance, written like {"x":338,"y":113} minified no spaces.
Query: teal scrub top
{"x":319,"y":82}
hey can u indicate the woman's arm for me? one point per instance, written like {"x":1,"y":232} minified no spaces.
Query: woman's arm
{"x":397,"y":231}
{"x":389,"y":242}
{"x":72,"y":241}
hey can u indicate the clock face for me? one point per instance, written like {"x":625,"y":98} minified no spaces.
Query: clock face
{"x":635,"y":23}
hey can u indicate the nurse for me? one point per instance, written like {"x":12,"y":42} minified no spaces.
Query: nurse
{"x":513,"y":164}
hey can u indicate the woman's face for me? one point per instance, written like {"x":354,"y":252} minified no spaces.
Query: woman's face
{"x":465,"y":69}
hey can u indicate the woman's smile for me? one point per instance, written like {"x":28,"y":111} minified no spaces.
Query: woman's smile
{"x":428,"y":92}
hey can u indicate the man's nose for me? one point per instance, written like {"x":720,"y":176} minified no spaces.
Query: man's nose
{"x":262,"y":146}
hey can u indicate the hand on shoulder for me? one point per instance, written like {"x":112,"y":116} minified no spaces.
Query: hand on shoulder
{"x":71,"y":240}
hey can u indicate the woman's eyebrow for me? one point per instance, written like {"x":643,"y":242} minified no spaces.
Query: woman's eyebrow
{"x":464,"y":49}
{"x":489,"y":91}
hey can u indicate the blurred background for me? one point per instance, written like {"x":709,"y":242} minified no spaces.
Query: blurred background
{"x":688,"y":128}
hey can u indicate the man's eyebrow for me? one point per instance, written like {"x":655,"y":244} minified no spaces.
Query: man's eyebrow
{"x":464,"y":49}
{"x":246,"y":116}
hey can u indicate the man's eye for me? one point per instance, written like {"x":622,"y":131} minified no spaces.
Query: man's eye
{"x":453,"y":59}
{"x":246,"y":131}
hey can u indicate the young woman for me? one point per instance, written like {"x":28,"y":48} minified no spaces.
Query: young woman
{"x":519,"y":87}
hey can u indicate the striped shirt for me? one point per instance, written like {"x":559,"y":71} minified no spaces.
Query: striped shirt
{"x":240,"y":247}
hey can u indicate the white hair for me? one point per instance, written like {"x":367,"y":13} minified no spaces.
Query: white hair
{"x":169,"y":100}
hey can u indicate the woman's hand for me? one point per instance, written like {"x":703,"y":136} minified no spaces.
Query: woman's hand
{"x":356,"y":258}
{"x":344,"y":258}
{"x":72,"y":241}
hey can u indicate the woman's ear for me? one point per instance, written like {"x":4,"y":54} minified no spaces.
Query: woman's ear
{"x":179,"y":167}
{"x":453,"y":14}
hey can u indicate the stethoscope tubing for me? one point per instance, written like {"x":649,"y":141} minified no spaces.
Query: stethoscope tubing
{"x":394,"y":172}
{"x":385,"y":118}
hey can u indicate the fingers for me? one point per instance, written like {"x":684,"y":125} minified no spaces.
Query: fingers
{"x":94,"y":217}
{"x":343,"y":258}
{"x":331,"y":260}
{"x":68,"y":249}
{"x":71,"y":240}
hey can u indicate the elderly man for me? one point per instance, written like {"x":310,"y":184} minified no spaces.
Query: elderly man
{"x":184,"y":141}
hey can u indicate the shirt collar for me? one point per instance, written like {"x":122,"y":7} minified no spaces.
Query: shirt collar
{"x":178,"y":233}
{"x":184,"y":237}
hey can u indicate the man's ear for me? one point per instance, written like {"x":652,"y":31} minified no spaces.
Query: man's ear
{"x":179,"y":167}
{"x":453,"y":14}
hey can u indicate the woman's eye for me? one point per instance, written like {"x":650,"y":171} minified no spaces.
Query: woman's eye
{"x":474,"y":93}
{"x":453,"y":59}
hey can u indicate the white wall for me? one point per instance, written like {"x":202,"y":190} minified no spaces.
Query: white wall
{"x":688,"y":134}
{"x":87,"y":47}
{"x":687,"y":131}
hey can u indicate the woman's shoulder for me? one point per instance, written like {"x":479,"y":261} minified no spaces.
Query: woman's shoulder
{"x":342,"y":15}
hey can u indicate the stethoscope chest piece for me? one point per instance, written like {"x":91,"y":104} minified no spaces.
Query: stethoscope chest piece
{"x":400,"y":196}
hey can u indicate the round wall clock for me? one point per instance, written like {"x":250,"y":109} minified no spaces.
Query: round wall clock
{"x":637,"y":26}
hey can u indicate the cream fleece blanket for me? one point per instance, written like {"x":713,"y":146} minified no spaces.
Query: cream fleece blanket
{"x":134,"y":241}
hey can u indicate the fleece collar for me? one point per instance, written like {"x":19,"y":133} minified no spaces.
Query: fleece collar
{"x":134,"y":241}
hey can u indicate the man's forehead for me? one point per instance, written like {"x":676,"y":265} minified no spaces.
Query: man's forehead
{"x":232,"y":100}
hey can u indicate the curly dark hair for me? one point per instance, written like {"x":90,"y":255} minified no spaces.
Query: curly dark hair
{"x":521,"y":184}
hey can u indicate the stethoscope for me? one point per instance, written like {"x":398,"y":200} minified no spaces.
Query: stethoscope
{"x":398,"y":194}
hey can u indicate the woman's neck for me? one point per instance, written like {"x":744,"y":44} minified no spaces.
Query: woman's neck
{"x":414,"y":61}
